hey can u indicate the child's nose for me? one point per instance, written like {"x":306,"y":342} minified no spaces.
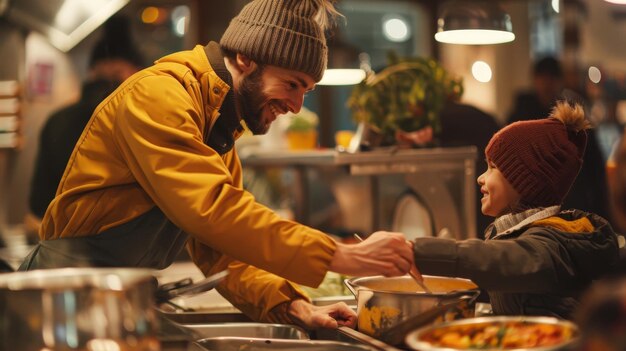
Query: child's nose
{"x":480,"y":179}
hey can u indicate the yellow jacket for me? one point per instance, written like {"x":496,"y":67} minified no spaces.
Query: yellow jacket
{"x":144,"y":146}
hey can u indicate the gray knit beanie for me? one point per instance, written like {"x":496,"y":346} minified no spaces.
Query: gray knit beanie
{"x":281,"y":33}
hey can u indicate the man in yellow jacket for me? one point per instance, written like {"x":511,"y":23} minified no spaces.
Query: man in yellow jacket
{"x":155,"y":169}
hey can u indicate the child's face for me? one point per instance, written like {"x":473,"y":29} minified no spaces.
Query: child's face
{"x":499,"y":197}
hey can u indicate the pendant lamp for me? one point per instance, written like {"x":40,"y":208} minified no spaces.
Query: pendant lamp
{"x":342,"y":76}
{"x":474,"y":23}
{"x":344,"y":63}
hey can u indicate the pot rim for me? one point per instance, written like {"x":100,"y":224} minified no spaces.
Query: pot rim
{"x":76,"y":277}
{"x":413,"y":338}
{"x":353,"y":284}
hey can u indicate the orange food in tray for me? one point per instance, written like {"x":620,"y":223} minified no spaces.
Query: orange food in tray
{"x":499,"y":334}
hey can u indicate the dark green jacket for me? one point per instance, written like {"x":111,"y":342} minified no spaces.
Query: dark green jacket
{"x":539,"y":269}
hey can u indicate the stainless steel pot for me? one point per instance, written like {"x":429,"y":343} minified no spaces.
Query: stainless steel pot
{"x":383,"y":302}
{"x":78,"y":309}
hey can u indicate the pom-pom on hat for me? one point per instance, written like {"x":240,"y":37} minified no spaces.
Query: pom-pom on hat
{"x":541,"y":158}
{"x":281,"y":33}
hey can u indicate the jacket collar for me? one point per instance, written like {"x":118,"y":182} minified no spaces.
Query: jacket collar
{"x":580,"y":225}
{"x":228,"y":126}
{"x":216,"y":59}
{"x":513,"y":221}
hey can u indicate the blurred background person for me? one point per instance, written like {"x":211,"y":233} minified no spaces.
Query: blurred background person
{"x":466,"y":125}
{"x":604,"y":111}
{"x":617,"y":184}
{"x":113,"y":59}
{"x":602,"y":315}
{"x":547,"y":87}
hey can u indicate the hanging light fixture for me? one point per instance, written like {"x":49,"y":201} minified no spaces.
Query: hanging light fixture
{"x":342,"y":76}
{"x":474,"y":23}
{"x":344,"y":63}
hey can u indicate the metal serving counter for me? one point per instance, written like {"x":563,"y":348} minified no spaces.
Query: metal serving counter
{"x":262,"y":336}
{"x":444,"y":178}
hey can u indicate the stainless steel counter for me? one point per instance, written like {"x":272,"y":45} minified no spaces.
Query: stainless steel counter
{"x":443,"y":177}
{"x":262,"y":336}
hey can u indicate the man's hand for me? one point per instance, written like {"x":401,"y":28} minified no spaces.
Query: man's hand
{"x":382,"y":253}
{"x":312,"y":317}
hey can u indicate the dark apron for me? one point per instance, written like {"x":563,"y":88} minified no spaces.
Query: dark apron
{"x":149,"y":241}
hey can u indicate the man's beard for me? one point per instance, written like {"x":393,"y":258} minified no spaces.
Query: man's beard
{"x":250,"y":100}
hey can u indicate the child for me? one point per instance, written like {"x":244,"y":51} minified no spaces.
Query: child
{"x":536,"y":258}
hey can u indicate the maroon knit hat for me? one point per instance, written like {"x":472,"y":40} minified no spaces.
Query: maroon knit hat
{"x":541,"y":158}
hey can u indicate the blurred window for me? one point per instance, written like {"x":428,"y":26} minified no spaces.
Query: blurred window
{"x":545,"y":29}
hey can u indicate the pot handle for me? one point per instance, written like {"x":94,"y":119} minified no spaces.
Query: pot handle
{"x":186,"y":287}
{"x":350,"y":287}
{"x":473,"y":297}
{"x":465,"y":299}
{"x":469,"y":297}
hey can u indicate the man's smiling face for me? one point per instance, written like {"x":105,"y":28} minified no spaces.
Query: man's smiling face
{"x":269,"y":91}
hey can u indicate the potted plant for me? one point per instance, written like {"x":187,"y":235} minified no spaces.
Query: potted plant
{"x":301,"y":130}
{"x":402,"y":102}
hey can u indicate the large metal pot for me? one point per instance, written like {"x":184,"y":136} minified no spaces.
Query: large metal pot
{"x":78,"y":309}
{"x":383,"y":302}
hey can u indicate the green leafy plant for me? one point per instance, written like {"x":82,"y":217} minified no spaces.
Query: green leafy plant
{"x":303,"y":121}
{"x":407,"y":95}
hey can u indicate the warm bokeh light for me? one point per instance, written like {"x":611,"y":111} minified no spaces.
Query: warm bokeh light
{"x":481,"y":71}
{"x":396,"y":29}
{"x":180,"y":20}
{"x":619,"y":2}
{"x":474,"y":36}
{"x":594,"y":74}
{"x":180,"y":27}
{"x":342,"y":76}
{"x":556,"y":5}
{"x":150,"y":14}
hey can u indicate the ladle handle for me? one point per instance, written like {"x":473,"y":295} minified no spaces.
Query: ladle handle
{"x":350,"y":287}
{"x":419,"y":280}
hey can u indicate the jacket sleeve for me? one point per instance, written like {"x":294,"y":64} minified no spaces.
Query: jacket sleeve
{"x":255,"y":292}
{"x":259,"y":294}
{"x":159,"y":134}
{"x":530,"y":263}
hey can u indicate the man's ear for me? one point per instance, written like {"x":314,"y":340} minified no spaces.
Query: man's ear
{"x":245,"y":64}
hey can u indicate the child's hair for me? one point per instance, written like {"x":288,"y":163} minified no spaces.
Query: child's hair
{"x":541,"y":158}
